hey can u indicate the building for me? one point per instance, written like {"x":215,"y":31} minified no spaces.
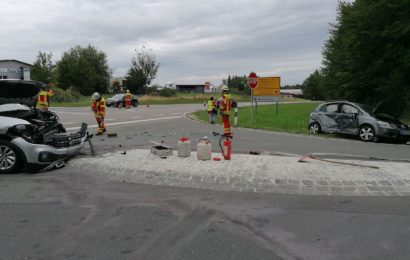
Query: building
{"x":15,"y":69}
{"x":196,"y":88}
{"x":295,"y":93}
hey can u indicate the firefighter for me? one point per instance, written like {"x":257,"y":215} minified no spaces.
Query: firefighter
{"x":43,"y":99}
{"x":127,"y":98}
{"x":212,"y":110}
{"x":225,"y":110}
{"x":98,"y":107}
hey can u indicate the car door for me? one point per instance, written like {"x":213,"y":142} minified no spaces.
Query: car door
{"x":347,"y":119}
{"x":327,"y":117}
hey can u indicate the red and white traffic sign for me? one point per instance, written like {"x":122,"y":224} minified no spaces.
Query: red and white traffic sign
{"x":252,"y":80}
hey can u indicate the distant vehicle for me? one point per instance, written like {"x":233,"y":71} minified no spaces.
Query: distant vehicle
{"x":369,"y":124}
{"x":29,"y":138}
{"x":118,"y":99}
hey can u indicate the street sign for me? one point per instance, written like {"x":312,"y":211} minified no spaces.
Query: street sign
{"x":268,"y":87}
{"x":265,"y":99}
{"x":252,"y":80}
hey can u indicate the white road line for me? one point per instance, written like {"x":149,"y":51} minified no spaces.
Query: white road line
{"x":179,"y":113}
{"x":75,"y":113}
{"x":129,"y":122}
{"x":109,"y":119}
{"x":69,"y":123}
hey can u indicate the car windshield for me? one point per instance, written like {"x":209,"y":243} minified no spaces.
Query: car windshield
{"x":366,"y":108}
{"x":118,"y":96}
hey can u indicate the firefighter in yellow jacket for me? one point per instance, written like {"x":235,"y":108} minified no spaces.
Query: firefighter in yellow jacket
{"x":43,"y":99}
{"x":225,"y":110}
{"x":127,"y":98}
{"x":98,"y":107}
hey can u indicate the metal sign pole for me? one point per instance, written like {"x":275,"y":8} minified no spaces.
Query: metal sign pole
{"x":277,"y":107}
{"x":251,"y":107}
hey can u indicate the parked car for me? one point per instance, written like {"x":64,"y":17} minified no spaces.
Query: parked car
{"x":29,"y":138}
{"x":118,"y":99}
{"x":369,"y":124}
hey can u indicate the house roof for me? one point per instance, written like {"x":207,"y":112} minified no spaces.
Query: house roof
{"x":27,"y":64}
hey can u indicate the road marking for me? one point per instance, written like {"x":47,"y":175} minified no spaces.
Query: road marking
{"x":75,"y":113}
{"x":69,"y":123}
{"x":109,"y":119}
{"x":176,"y":113}
{"x":129,"y":122}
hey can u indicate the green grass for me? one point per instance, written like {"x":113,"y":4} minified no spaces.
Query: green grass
{"x":291,"y":118}
{"x":188,"y":98}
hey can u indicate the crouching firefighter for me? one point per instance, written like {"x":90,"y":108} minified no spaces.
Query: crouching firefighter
{"x":98,"y":107}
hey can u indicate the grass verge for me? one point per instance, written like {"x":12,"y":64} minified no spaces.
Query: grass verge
{"x":188,"y":98}
{"x":291,"y":118}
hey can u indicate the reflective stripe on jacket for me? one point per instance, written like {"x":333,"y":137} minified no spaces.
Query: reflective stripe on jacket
{"x":98,"y":107}
{"x":43,"y":98}
{"x":226,"y":104}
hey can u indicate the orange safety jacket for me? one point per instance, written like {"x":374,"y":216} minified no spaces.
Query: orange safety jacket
{"x":127,"y":96}
{"x":43,"y":99}
{"x":98,"y":107}
{"x":226,"y":104}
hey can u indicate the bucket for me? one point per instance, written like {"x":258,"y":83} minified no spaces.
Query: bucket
{"x":204,"y":149}
{"x":184,"y":147}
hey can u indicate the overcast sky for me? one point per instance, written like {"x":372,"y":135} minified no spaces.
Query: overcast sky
{"x":194,"y":40}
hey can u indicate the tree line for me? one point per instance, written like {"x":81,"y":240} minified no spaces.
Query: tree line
{"x":86,"y":70}
{"x":367,"y":56}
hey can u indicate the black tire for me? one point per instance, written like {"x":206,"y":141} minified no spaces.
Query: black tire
{"x":135,"y":103}
{"x":315,"y":128}
{"x":366,"y":134}
{"x":10,"y":159}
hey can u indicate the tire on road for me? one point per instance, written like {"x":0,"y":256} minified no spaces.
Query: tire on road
{"x":367,"y":134}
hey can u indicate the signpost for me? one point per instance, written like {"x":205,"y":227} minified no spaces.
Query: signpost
{"x":268,"y":90}
{"x":252,"y":83}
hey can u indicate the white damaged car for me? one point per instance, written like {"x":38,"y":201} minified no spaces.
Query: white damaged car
{"x":32,"y":139}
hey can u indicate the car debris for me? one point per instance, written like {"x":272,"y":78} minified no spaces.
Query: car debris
{"x":310,"y":156}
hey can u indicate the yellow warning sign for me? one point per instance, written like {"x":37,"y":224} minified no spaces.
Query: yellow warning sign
{"x":267,"y":86}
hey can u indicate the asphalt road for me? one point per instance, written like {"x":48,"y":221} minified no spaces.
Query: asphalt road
{"x":66,"y":214}
{"x":138,"y":126}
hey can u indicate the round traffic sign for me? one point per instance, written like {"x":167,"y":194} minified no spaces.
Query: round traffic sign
{"x":252,"y":80}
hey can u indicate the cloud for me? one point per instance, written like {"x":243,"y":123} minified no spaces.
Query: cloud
{"x":194,"y":41}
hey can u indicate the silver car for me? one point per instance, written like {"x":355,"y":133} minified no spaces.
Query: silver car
{"x":29,"y":138}
{"x":345,"y":117}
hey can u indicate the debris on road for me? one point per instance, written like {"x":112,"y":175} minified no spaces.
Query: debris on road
{"x":303,"y":159}
{"x":161,"y":149}
{"x":254,"y":152}
{"x":112,"y":135}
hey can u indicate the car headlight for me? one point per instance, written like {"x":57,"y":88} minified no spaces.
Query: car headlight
{"x":384,"y":124}
{"x":24,"y":131}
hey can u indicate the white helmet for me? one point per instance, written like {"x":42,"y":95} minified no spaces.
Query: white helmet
{"x":95,"y":96}
{"x":225,"y":88}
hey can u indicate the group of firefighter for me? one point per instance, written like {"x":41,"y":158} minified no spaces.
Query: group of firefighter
{"x":98,"y":107}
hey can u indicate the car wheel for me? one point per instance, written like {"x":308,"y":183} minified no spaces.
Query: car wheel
{"x":315,"y":128}
{"x":366,"y":133}
{"x":135,"y":104}
{"x":9,"y":158}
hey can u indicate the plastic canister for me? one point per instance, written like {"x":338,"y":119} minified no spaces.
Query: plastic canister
{"x":204,"y":149}
{"x":184,"y":147}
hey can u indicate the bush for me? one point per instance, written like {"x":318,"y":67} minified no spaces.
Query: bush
{"x":61,"y":95}
{"x":167,"y":92}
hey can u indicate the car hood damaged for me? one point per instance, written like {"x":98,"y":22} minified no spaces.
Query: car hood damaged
{"x":390,"y":108}
{"x":20,"y":92}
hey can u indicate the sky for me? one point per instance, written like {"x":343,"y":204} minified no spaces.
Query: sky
{"x":194,"y":40}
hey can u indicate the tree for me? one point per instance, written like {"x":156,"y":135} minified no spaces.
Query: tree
{"x":312,"y":86}
{"x":84,"y":69}
{"x":144,"y":69}
{"x":367,"y":57}
{"x":43,"y":68}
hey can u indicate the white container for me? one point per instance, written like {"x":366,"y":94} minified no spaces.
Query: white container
{"x":184,"y":147}
{"x":204,"y":150}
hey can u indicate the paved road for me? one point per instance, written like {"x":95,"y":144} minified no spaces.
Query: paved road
{"x":67,"y":214}
{"x":138,"y":126}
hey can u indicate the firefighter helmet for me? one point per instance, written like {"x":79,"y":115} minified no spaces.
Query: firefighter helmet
{"x":128,"y":91}
{"x":95,"y":96}
{"x":225,"y":88}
